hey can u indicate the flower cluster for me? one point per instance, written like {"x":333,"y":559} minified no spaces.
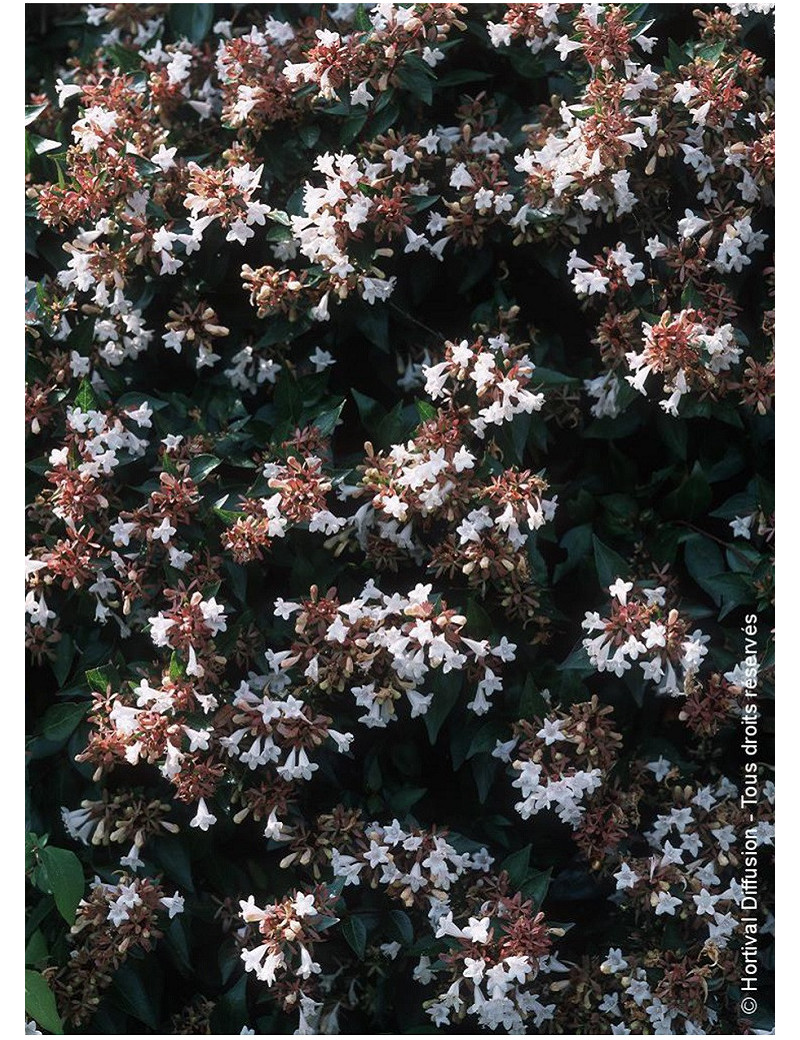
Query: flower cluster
{"x":372,"y":60}
{"x":115,"y":920}
{"x":496,"y":957}
{"x":441,"y":497}
{"x":416,"y":867}
{"x":194,"y":738}
{"x":641,"y":626}
{"x":381,"y":649}
{"x":119,"y":819}
{"x":562,"y":761}
{"x":297,"y":495}
{"x":682,"y":350}
{"x":695,"y":870}
{"x":287,"y":932}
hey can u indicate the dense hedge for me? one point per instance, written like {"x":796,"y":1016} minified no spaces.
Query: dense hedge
{"x":400,"y":518}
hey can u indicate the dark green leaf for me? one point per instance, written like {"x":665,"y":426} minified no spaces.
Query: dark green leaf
{"x":173,"y":858}
{"x":230,"y":1010}
{"x":352,"y":127}
{"x":486,"y":738}
{"x":402,"y":801}
{"x":309,"y":135}
{"x":577,"y":661}
{"x":610,"y":565}
{"x":137,"y":989}
{"x":445,"y":696}
{"x":549,"y":377}
{"x":536,"y":885}
{"x":531,"y":702}
{"x":373,"y":321}
{"x":40,"y":1004}
{"x":712,"y":52}
{"x":326,"y":422}
{"x":516,"y":865}
{"x":576,"y":542}
{"x":371,"y":411}
{"x":61,"y":719}
{"x":417,"y":80}
{"x":43,"y":145}
{"x":201,"y":466}
{"x":36,"y":949}
{"x":62,"y":875}
{"x":99,"y":679}
{"x":355,"y":932}
{"x":703,"y":559}
{"x":361,"y":19}
{"x":457,"y":77}
{"x":191,"y":20}
{"x":484,"y":770}
{"x":691,"y":499}
{"x":402,"y":926}
{"x":65,"y":654}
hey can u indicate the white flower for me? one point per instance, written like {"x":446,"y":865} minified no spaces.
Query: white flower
{"x":178,"y":558}
{"x":741,"y":526}
{"x":398,"y":159}
{"x":361,"y":95}
{"x":565,"y":46}
{"x":159,"y":627}
{"x":551,"y":731}
{"x":321,"y":360}
{"x":163,"y":532}
{"x":690,"y":225}
{"x":239,"y":232}
{"x":660,"y":768}
{"x":132,"y":859}
{"x":460,"y":177}
{"x":342,"y":740}
{"x":121,"y":531}
{"x":684,"y":92}
{"x":614,"y":962}
{"x":667,"y":904}
{"x":164,"y":158}
{"x":655,"y":247}
{"x":477,"y":930}
{"x":671,"y":855}
{"x":499,"y":33}
{"x":214,"y":616}
{"x":620,"y":590}
{"x":415,"y":241}
{"x":432,"y":57}
{"x":274,"y":828}
{"x":203,"y":819}
{"x":173,"y":904}
{"x":66,"y":90}
{"x":705,"y":902}
{"x":303,"y":905}
{"x":626,"y":878}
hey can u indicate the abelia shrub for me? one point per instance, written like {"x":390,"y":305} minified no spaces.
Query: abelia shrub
{"x":400,"y":518}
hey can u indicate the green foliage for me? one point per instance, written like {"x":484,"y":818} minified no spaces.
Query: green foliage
{"x":191,"y":20}
{"x":40,"y":1003}
{"x":61,"y":874}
